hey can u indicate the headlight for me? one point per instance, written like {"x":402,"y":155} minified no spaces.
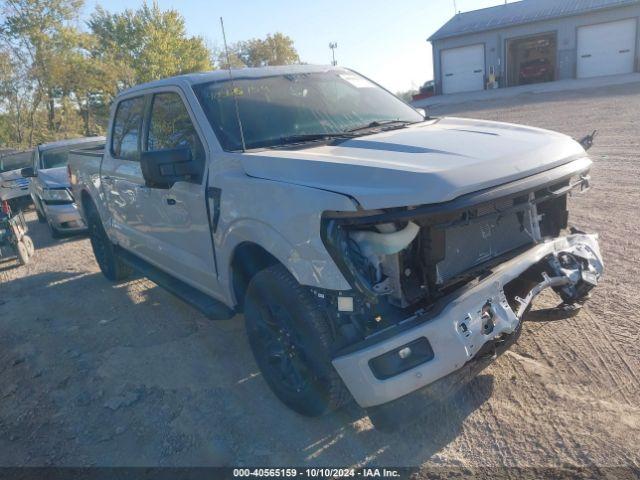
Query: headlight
{"x":359,"y":252}
{"x":56,"y":195}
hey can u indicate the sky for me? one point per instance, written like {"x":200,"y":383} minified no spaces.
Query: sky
{"x":382,"y":39}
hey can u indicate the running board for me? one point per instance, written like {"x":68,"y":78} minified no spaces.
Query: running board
{"x":211,"y":308}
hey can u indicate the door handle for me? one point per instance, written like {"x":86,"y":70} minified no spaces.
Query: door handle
{"x":171,"y":201}
{"x":107,"y":178}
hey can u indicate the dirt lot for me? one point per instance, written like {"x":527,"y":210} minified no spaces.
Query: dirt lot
{"x":96,"y":374}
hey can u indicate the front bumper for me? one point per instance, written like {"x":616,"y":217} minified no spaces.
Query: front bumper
{"x":390,"y":415}
{"x":457,"y":332}
{"x":65,"y":217}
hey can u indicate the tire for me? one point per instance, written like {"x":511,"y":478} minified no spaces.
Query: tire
{"x":55,"y":233}
{"x":38,"y":207}
{"x":23,"y":254}
{"x":291,"y":341}
{"x":107,"y":258}
{"x":29,"y":244}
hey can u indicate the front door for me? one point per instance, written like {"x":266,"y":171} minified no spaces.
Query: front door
{"x":176,"y":221}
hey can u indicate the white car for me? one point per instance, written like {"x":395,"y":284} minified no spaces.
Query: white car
{"x":374,"y":252}
{"x":49,"y":186}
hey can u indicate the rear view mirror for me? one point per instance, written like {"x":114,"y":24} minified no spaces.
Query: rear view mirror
{"x":28,"y":172}
{"x":423,"y":112}
{"x":163,"y":168}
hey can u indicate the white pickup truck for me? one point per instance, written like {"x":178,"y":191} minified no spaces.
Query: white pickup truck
{"x":374,"y":252}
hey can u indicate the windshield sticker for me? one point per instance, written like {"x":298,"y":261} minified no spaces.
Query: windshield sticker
{"x":357,"y":81}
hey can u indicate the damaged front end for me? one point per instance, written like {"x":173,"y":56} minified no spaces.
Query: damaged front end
{"x":433,"y":286}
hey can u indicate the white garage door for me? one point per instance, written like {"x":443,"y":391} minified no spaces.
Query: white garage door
{"x":607,"y":48}
{"x":463,"y":69}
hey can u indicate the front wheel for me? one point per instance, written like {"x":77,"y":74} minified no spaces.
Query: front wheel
{"x":26,"y":239}
{"x":108,"y":260}
{"x":55,"y":233}
{"x":291,"y":342}
{"x":38,"y":206}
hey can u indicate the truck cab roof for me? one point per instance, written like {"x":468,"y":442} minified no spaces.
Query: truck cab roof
{"x":237,"y":73}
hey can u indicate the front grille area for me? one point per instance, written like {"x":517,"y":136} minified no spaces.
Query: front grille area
{"x":483,"y":239}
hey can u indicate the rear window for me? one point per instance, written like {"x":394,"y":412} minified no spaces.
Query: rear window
{"x":15,"y":161}
{"x":127,"y":129}
{"x":59,"y":157}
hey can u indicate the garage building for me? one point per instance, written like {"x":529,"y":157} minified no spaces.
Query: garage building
{"x":534,"y":41}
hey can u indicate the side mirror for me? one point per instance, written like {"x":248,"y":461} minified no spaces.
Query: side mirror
{"x":163,"y":168}
{"x":28,"y":172}
{"x":423,"y":112}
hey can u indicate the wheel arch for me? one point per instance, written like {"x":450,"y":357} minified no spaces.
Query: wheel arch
{"x":248,"y":258}
{"x":85,"y":199}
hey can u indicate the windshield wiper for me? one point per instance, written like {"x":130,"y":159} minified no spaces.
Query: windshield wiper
{"x":310,"y":137}
{"x":379,"y":123}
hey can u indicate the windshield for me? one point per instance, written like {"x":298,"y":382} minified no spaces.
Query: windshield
{"x":59,"y":157}
{"x":14,"y":161}
{"x":283,"y":109}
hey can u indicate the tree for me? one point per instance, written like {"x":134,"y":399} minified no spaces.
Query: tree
{"x":152,"y":43}
{"x":274,"y":49}
{"x":407,"y":95}
{"x":37,"y":31}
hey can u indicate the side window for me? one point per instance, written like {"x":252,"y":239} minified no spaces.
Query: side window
{"x":127,"y":128}
{"x":170,"y":126}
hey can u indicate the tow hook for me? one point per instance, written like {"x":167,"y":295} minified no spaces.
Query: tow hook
{"x":575,"y":274}
{"x":487,"y":318}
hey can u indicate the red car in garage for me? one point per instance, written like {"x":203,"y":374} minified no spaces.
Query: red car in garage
{"x":536,"y":71}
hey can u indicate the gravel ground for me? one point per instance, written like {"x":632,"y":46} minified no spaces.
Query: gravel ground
{"x":96,"y":374}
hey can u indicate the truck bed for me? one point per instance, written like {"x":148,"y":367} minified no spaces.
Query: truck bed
{"x":84,"y":172}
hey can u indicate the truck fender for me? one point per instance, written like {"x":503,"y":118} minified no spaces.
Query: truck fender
{"x":308,"y":266}
{"x":85,"y":197}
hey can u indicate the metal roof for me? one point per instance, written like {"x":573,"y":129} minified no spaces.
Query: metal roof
{"x":517,"y":13}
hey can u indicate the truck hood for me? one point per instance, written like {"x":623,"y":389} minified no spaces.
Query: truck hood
{"x":54,"y":177}
{"x":431,"y":162}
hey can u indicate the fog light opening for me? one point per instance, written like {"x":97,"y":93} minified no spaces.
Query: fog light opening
{"x":405,"y":353}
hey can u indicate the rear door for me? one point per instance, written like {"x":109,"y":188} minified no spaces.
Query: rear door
{"x":463,"y":69}
{"x":607,"y":48}
{"x":121,"y":177}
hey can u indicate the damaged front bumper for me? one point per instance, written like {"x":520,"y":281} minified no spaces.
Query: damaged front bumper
{"x":479,"y":314}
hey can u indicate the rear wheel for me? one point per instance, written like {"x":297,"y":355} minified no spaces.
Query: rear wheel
{"x":108,"y":260}
{"x":291,"y":342}
{"x":23,"y":254}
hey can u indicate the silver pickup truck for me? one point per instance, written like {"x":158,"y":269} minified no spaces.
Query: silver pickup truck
{"x":377,"y":254}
